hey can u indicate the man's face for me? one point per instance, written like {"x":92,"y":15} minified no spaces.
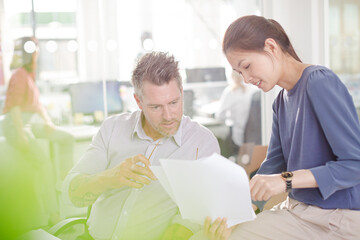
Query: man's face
{"x":162,"y":108}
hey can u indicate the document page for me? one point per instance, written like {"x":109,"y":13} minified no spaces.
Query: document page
{"x":211,"y":186}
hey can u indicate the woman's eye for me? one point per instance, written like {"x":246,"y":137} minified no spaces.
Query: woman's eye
{"x":247,"y":66}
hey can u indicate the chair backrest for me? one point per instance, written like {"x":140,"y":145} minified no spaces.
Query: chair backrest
{"x":258,"y":156}
{"x":251,"y":156}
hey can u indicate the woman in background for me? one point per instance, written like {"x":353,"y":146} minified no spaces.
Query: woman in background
{"x":21,"y":126}
{"x":238,"y":114}
{"x":314,"y":151}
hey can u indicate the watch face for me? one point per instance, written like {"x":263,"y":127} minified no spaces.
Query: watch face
{"x":286,"y":174}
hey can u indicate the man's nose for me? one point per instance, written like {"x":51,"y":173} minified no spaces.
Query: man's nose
{"x":166,"y":113}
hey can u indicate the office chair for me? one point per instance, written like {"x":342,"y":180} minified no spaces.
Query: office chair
{"x":66,"y":227}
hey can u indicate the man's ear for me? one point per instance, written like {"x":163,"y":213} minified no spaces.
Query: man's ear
{"x":271,"y":46}
{"x":137,"y":99}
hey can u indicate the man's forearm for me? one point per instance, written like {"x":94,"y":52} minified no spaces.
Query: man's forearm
{"x":85,"y":189}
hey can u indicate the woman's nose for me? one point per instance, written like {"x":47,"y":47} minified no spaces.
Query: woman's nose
{"x":247,"y":78}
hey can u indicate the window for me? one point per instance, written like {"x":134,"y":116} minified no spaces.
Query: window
{"x":344,"y":29}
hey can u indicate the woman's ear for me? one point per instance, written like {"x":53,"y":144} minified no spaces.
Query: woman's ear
{"x":271,"y":46}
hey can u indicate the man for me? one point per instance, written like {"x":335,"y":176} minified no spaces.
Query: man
{"x":114,"y":174}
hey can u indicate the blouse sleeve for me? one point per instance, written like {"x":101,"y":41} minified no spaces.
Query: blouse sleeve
{"x":274,"y":162}
{"x":337,"y":116}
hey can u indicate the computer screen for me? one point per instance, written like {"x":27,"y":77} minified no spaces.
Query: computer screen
{"x":87,"y":97}
{"x":214,"y":74}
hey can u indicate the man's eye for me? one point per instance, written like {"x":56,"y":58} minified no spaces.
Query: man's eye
{"x":247,"y":66}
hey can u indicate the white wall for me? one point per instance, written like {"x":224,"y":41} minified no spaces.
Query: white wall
{"x":305,"y":22}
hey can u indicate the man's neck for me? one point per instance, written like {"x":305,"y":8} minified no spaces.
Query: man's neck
{"x":149,"y":131}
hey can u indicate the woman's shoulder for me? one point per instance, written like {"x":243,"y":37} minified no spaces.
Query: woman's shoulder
{"x":318,"y":74}
{"x":321,"y":79}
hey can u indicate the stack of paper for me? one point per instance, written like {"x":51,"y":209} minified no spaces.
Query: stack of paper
{"x":212,"y":186}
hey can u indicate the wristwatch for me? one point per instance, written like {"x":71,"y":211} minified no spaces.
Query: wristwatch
{"x":287,"y":176}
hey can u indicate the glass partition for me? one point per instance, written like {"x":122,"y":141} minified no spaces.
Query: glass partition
{"x":344,"y":30}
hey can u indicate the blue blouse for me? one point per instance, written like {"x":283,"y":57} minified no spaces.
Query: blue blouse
{"x":316,"y":127}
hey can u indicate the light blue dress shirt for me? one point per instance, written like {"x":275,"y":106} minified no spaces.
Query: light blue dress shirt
{"x":145,"y":213}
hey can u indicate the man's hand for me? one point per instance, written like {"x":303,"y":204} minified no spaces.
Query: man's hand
{"x":217,"y":230}
{"x":263,"y":187}
{"x":133,"y":172}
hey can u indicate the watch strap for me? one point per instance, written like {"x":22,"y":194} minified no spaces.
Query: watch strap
{"x":288,"y":185}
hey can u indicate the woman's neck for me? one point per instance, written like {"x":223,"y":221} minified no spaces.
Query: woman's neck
{"x":292,"y":71}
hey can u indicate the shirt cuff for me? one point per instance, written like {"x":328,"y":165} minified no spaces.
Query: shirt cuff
{"x":65,"y":188}
{"x":321,"y":175}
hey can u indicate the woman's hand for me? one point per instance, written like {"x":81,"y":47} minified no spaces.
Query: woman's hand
{"x":49,"y":127}
{"x":217,"y":230}
{"x":263,"y":187}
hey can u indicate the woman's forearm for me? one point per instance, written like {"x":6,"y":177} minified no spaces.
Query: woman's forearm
{"x":15,"y":114}
{"x":304,"y":179}
{"x":44,"y":115}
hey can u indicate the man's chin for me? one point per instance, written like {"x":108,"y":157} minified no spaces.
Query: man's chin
{"x":168,"y":132}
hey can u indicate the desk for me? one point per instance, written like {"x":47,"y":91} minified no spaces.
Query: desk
{"x":81,"y":132}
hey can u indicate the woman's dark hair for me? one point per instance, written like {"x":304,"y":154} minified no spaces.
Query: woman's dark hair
{"x":250,"y":33}
{"x":23,"y":57}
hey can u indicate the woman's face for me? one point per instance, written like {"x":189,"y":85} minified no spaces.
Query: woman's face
{"x":256,"y":68}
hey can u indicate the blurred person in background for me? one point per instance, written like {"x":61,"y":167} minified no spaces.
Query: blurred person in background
{"x":234,"y":109}
{"x":21,"y":126}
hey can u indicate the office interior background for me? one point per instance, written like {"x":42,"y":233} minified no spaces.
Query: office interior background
{"x":88,"y":44}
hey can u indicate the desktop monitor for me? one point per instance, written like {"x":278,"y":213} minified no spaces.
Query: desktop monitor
{"x":214,"y":74}
{"x":88,"y":97}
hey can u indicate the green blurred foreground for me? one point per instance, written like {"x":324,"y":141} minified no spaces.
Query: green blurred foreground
{"x":27,"y":193}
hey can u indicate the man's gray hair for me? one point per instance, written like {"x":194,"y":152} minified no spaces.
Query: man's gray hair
{"x":159,"y":68}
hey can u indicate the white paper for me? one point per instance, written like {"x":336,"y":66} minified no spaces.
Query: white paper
{"x":212,"y":186}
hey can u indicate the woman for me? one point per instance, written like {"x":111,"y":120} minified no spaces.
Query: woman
{"x":314,"y":151}
{"x":231,"y":110}
{"x":21,"y":127}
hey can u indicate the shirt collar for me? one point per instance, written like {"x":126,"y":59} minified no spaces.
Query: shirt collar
{"x":139,"y":131}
